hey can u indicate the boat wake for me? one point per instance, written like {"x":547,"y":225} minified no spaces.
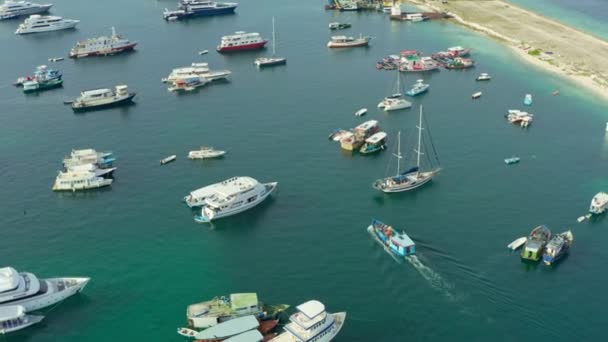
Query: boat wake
{"x":432,"y":277}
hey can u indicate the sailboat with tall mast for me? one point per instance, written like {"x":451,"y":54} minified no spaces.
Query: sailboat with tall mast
{"x":274,"y":60}
{"x":414,"y":177}
{"x":396,"y":100}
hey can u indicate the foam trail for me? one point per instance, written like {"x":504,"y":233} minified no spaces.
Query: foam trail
{"x":432,"y":277}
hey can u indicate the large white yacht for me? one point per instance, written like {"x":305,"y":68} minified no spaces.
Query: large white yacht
{"x":44,"y":23}
{"x":33,"y":294}
{"x":89,"y":156}
{"x":312,"y":323}
{"x":79,"y":180}
{"x":13,"y":9}
{"x":198,"y":70}
{"x":233,"y":196}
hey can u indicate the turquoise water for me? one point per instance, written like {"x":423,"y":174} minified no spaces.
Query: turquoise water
{"x":148,"y":259}
{"x":586,"y":15}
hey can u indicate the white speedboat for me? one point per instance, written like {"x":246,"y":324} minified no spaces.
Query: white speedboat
{"x":348,"y":42}
{"x":13,"y":9}
{"x":33,"y":294}
{"x":44,"y":23}
{"x":361,"y":112}
{"x":205,"y":152}
{"x":312,"y":323}
{"x":517,"y":243}
{"x":198,"y":70}
{"x":13,"y":318}
{"x":484,"y":77}
{"x":234,"y":196}
{"x":79,"y":180}
{"x":599,"y":203}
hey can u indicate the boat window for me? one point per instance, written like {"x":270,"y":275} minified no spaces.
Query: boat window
{"x":251,"y":199}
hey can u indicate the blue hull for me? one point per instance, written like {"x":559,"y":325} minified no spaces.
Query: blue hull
{"x":216,"y":11}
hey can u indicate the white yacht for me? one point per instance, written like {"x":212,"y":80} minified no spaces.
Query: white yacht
{"x":205,"y":152}
{"x":196,"y":69}
{"x":13,"y":9}
{"x":312,"y":324}
{"x":103,"y":98}
{"x":233,"y":196}
{"x":102,"y":46}
{"x":44,"y":23}
{"x":33,"y":294}
{"x":89,"y":156}
{"x":599,"y":203}
{"x":13,"y":318}
{"x":79,"y":180}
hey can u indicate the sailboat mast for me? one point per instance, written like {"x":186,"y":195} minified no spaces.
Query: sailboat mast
{"x":398,"y":153}
{"x":273,"y":39}
{"x":419,"y":138}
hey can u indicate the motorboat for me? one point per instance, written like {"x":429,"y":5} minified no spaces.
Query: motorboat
{"x":41,"y":74}
{"x":36,"y":85}
{"x":168,"y":159}
{"x":535,"y":244}
{"x":338,"y":26}
{"x":103,"y":98}
{"x":241,"y":41}
{"x":349,"y":6}
{"x":458,"y":51}
{"x":272,"y":60}
{"x":517,"y":243}
{"x":200,"y":70}
{"x":204,"y":52}
{"x":460,"y":63}
{"x":558,"y":247}
{"x":102,"y":46}
{"x":512,"y":160}
{"x":414,"y":177}
{"x":312,"y":323}
{"x":56,"y":59}
{"x":199,"y":8}
{"x":13,"y":9}
{"x":33,"y":294}
{"x":418,"y":88}
{"x":518,"y":117}
{"x":476,"y":95}
{"x":79,"y":180}
{"x":483,"y":77}
{"x":190,"y":83}
{"x":14,"y":317}
{"x":206,"y":152}
{"x":234,"y":196}
{"x":528,"y":100}
{"x":212,"y":312}
{"x":398,"y":244}
{"x":89,"y":156}
{"x":361,"y":112}
{"x":355,"y":139}
{"x":599,"y":203}
{"x":348,"y":42}
{"x":374,"y":143}
{"x":36,"y":23}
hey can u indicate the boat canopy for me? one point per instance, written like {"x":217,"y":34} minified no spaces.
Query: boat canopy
{"x":9,"y":279}
{"x":229,"y":328}
{"x":311,"y":309}
{"x":376,"y":138}
{"x":249,"y":336}
{"x":95,"y":92}
{"x":402,"y":240}
{"x":243,"y":300}
{"x":11,"y":312}
{"x":367,"y":125}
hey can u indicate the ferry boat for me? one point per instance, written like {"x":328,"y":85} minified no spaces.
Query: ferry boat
{"x":206,"y":152}
{"x":533,"y":249}
{"x":599,"y":203}
{"x":220,"y":309}
{"x":102,"y":46}
{"x":36,"y":23}
{"x":13,"y":9}
{"x":103,"y":98}
{"x":89,"y":156}
{"x":33,"y":294}
{"x":374,"y":143}
{"x":43,"y":79}
{"x":234,"y":196}
{"x":518,"y":117}
{"x":348,"y":42}
{"x":79,"y":180}
{"x":558,"y":247}
{"x":355,"y":140}
{"x":13,"y":318}
{"x":240,"y":41}
{"x":199,"y":8}
{"x":398,"y":244}
{"x":338,"y":26}
{"x":312,"y":324}
{"x":418,"y":88}
{"x":196,"y":70}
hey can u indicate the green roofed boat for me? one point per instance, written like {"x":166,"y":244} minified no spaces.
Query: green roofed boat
{"x":533,"y":249}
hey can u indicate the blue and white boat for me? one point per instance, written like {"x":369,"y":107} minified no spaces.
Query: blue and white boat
{"x":528,"y":100}
{"x":558,"y":247}
{"x":398,"y":244}
{"x":199,"y":8}
{"x":418,"y":88}
{"x":374,"y":143}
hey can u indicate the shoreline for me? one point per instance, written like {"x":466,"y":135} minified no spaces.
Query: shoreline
{"x":543,"y":34}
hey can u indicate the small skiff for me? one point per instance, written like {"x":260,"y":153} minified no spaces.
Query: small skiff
{"x":56,"y":59}
{"x":186,"y":332}
{"x":204,"y":52}
{"x":168,"y":159}
{"x":476,"y":95}
{"x":361,"y":112}
{"x":512,"y":160}
{"x":517,"y":243}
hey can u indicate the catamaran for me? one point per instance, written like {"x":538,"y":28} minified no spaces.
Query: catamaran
{"x":412,"y":178}
{"x":395,"y":101}
{"x":274,"y":60}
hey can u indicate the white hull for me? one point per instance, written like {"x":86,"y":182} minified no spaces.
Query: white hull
{"x":205,"y":155}
{"x":397,"y":105}
{"x":30,"y":320}
{"x":234,"y":211}
{"x":58,"y":290}
{"x":517,"y":243}
{"x":61,"y":26}
{"x":411,"y":184}
{"x":97,"y":183}
{"x":599,"y":204}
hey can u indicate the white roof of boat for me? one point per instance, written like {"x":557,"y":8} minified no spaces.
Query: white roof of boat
{"x":455,"y":48}
{"x":367,"y":125}
{"x":229,"y":328}
{"x":96,"y":92}
{"x":403,"y":240}
{"x":243,"y":300}
{"x":249,"y":336}
{"x":11,"y":312}
{"x":312,"y":308}
{"x":376,"y":138}
{"x":234,"y":185}
{"x":9,"y":278}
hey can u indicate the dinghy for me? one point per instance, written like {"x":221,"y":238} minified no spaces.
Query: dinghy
{"x":187,"y":332}
{"x":361,"y":112}
{"x":167,"y":160}
{"x":476,"y":95}
{"x":528,"y":100}
{"x":204,"y":52}
{"x":512,"y":160}
{"x":517,"y":243}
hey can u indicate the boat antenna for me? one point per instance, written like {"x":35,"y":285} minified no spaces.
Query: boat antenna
{"x":419,"y":140}
{"x":273,"y":39}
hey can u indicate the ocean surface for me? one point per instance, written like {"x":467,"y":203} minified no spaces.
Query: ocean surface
{"x":148,"y":259}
